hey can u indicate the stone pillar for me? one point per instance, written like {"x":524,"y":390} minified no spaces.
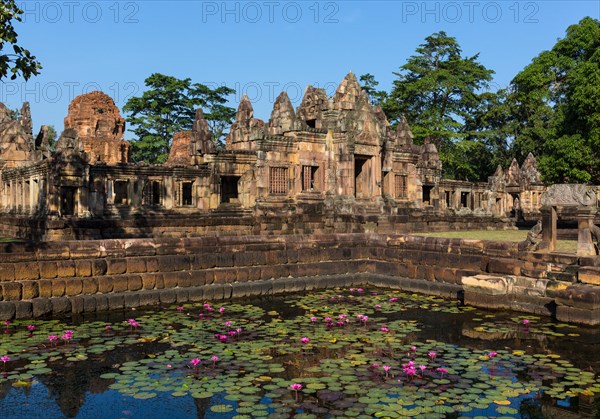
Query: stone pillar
{"x":130,"y":192}
{"x":168,"y":199}
{"x":548,"y":229}
{"x":585,"y":244}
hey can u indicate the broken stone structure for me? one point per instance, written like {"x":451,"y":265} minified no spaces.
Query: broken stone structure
{"x":334,"y":164}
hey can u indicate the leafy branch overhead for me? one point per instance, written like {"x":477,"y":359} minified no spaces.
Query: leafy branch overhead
{"x":14,"y":59}
{"x":167,"y":107}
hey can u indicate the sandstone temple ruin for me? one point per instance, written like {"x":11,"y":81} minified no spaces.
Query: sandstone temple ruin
{"x":334,"y":164}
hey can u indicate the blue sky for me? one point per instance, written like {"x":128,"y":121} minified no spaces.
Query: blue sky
{"x":260,"y":48}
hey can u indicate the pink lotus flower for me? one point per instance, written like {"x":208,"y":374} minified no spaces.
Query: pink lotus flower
{"x":384,"y":329}
{"x":393,"y":300}
{"x":31,"y":327}
{"x":5,"y":359}
{"x":52,"y":338}
{"x":180,"y":308}
{"x":375,"y":366}
{"x":222,"y":310}
{"x":432,"y":355}
{"x":6,"y":323}
{"x":359,"y":290}
{"x":313,"y":319}
{"x":228,"y":324}
{"x":296,"y":387}
{"x":442,"y":371}
{"x":238,"y":330}
{"x":492,"y":354}
{"x":377,"y":307}
{"x":386,"y":368}
{"x":422,"y":368}
{"x":327,"y":319}
{"x":351,"y":289}
{"x":305,"y":340}
{"x":214,"y":359}
{"x":107,"y":327}
{"x":195,"y":362}
{"x":413,"y":348}
{"x":525,"y":321}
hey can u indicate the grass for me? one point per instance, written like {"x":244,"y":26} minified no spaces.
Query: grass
{"x":566,"y":246}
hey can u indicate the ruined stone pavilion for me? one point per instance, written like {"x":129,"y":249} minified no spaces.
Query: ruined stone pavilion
{"x":332,"y":165}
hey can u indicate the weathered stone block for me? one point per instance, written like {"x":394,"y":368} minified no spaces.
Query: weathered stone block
{"x":149,"y":298}
{"x":101,"y":302}
{"x":84,"y":249}
{"x":48,"y":269}
{"x":83,"y":268}
{"x":148,"y":281}
{"x":73,"y":286}
{"x":7,"y":310}
{"x":224,"y":275}
{"x":173,"y":263}
{"x":29,"y":290}
{"x":170,"y":280}
{"x":11,"y":291}
{"x":183,"y":295}
{"x":589,"y":275}
{"x":120,"y":283}
{"x":504,"y":266}
{"x":60,"y":305}
{"x":578,"y":315}
{"x":582,"y":296}
{"x":115,"y":301}
{"x":65,"y":268}
{"x":136,"y":265}
{"x":168,"y":296}
{"x":151,"y":265}
{"x":99,"y":267}
{"x":116,"y":266}
{"x":488,"y":284}
{"x":196,"y":294}
{"x":132,"y":300}
{"x":89,"y":304}
{"x":45,"y":288}
{"x":23,"y":310}
{"x":105,"y":284}
{"x":41,"y":307}
{"x":26,"y":271}
{"x":77,"y":304}
{"x":90,"y":285}
{"x":58,"y":287}
{"x":134,"y":282}
{"x":7,"y":271}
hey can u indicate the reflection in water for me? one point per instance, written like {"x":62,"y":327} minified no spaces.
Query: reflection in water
{"x":78,"y":390}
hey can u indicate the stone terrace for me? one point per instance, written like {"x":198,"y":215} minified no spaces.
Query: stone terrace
{"x":63,"y":278}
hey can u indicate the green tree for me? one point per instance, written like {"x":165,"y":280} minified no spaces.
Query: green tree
{"x":14,"y":59}
{"x":167,"y":107}
{"x":369,"y":85}
{"x":437,"y":89}
{"x":555,"y":102}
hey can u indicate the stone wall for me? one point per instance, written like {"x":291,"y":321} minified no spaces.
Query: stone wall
{"x":86,"y":276}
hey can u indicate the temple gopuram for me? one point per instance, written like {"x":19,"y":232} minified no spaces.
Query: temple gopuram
{"x":332,"y":165}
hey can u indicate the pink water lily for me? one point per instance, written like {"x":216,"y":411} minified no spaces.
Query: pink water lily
{"x":5,"y":358}
{"x":432,"y":355}
{"x":386,"y":368}
{"x":313,"y":319}
{"x":214,"y":359}
{"x":52,"y":338}
{"x":180,"y":308}
{"x":195,"y":362}
{"x":492,"y":354}
{"x":525,"y":321}
{"x":393,"y":300}
{"x":296,"y":387}
{"x":375,"y":366}
{"x":31,"y":327}
{"x":442,"y":371}
{"x":384,"y":329}
{"x":305,"y":340}
{"x":422,"y":368}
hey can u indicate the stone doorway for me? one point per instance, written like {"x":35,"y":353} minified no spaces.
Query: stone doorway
{"x":229,"y":189}
{"x":67,"y":200}
{"x":361,"y":176}
{"x":427,"y":194}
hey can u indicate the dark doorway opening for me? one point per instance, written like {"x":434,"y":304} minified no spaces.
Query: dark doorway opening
{"x":229,"y":189}
{"x":427,"y":194}
{"x":360,"y":176}
{"x":67,"y":200}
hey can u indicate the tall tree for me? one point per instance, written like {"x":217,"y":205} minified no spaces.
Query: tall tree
{"x":369,"y":85}
{"x":167,"y":107}
{"x":556,"y":106}
{"x":436,"y":90}
{"x":14,"y":59}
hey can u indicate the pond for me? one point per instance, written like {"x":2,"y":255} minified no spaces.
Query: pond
{"x":337,"y":353}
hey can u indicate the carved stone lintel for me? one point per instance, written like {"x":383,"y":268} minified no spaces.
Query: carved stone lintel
{"x":568,"y":194}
